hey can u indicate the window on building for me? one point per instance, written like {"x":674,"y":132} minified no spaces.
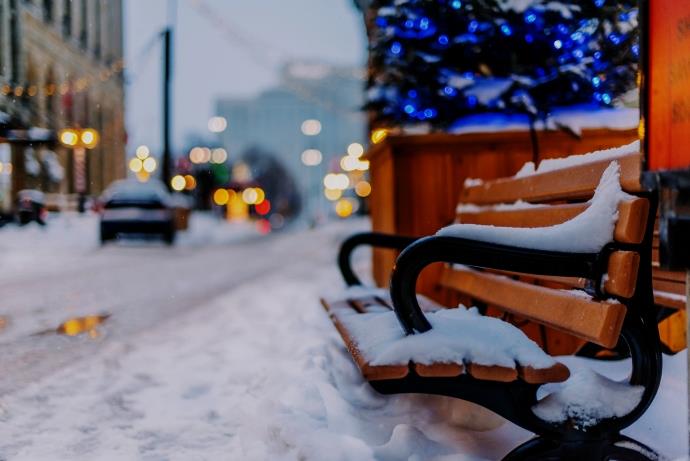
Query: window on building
{"x":84,"y":23}
{"x":48,"y":11}
{"x":67,"y":18}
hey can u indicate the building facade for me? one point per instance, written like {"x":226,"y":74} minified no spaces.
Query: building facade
{"x":272,"y":121}
{"x":61,"y":66}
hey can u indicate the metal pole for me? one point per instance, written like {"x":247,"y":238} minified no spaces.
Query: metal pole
{"x":167,"y":71}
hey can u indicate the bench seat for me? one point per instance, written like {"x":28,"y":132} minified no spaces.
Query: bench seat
{"x":385,"y":355}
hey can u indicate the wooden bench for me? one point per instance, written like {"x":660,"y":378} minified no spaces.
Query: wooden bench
{"x":603,"y":297}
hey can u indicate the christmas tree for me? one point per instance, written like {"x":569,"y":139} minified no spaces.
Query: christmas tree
{"x":435,"y":61}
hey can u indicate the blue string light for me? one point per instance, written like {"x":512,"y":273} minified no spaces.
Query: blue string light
{"x":530,"y":18}
{"x":443,"y":39}
{"x":557,"y":44}
{"x":456,"y":4}
{"x":596,"y":81}
{"x":396,"y":48}
{"x":505,"y":28}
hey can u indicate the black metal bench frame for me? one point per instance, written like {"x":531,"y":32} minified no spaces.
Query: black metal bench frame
{"x":514,"y":400}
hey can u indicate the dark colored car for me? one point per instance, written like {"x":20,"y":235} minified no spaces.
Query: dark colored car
{"x":130,"y":207}
{"x":31,"y":206}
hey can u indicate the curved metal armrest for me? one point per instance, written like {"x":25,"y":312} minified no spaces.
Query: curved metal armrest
{"x":429,"y":250}
{"x":376,"y":239}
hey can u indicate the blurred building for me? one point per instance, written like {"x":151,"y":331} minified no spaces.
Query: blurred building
{"x":61,"y":64}
{"x":272,"y":121}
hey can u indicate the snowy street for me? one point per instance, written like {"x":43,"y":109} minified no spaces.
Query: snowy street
{"x":213,"y":352}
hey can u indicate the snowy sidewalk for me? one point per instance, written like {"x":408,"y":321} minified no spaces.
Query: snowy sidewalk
{"x":260,"y":373}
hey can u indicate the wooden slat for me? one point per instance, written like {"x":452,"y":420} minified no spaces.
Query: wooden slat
{"x":664,"y":299}
{"x":668,"y":286}
{"x":622,"y":273}
{"x":439,"y":370}
{"x":673,"y":276}
{"x":555,"y":373}
{"x":370,"y":373}
{"x":630,"y":227}
{"x":578,"y":181}
{"x":598,"y":322}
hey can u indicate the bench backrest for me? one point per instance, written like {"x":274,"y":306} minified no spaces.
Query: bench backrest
{"x":556,"y":301}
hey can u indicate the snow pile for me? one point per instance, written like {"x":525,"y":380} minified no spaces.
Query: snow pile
{"x":574,"y":160}
{"x":457,"y":336}
{"x":588,"y":397}
{"x":587,"y":232}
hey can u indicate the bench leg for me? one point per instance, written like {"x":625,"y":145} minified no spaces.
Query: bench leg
{"x":618,"y":447}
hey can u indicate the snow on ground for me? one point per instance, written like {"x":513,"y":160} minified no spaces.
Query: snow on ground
{"x":69,"y":237}
{"x":260,"y":373}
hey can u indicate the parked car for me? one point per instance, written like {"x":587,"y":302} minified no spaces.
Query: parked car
{"x":131,"y":207}
{"x":31,"y":206}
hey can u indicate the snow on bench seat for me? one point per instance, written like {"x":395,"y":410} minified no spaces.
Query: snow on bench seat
{"x":461,"y":341}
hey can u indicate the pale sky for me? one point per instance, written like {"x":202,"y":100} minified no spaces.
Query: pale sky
{"x":226,"y":47}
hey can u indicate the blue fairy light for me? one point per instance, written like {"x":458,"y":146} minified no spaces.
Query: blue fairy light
{"x":381,"y":22}
{"x":450,"y":91}
{"x":424,"y":23}
{"x":409,"y":108}
{"x":530,"y":18}
{"x":596,"y":81}
{"x":471,"y":101}
{"x":529,"y":38}
{"x":468,"y":75}
{"x":597,"y":55}
{"x":412,"y":93}
{"x":562,"y":28}
{"x":505,"y":28}
{"x":557,"y":44}
{"x":409,"y":23}
{"x":636,"y":49}
{"x":443,"y":39}
{"x":599,"y":3}
{"x":456,"y":4}
{"x":396,"y":48}
{"x":428,"y":113}
{"x":615,"y":39}
{"x":578,"y":54}
{"x":473,"y":26}
{"x":606,"y":98}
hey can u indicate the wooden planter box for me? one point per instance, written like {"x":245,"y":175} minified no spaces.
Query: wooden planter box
{"x":416,"y":179}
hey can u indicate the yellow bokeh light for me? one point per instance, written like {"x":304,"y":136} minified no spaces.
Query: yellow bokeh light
{"x":189,"y":182}
{"x":221,"y":197}
{"x":355,"y":150}
{"x":379,"y":135}
{"x":142,"y":152}
{"x":136,"y":165}
{"x":250,"y":196}
{"x":343,"y":208}
{"x":311,"y":157}
{"x":363,"y":189}
{"x":349,"y":163}
{"x":363,"y":165}
{"x":143,"y":176}
{"x":332,"y":194}
{"x":149,"y":164}
{"x":219,"y":155}
{"x":260,"y":195}
{"x":178,"y":183}
{"x":89,"y":138}
{"x":69,"y":137}
{"x":311,"y":127}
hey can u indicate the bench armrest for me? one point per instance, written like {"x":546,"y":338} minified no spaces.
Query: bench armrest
{"x":376,"y":239}
{"x":428,"y":250}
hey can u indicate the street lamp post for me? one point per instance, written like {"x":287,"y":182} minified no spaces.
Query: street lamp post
{"x":80,"y":140}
